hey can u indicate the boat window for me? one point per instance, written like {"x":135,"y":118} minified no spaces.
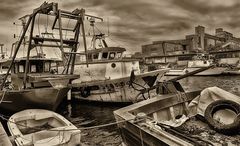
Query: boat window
{"x":21,"y":68}
{"x":33,"y":68}
{"x":95,"y":56}
{"x":89,"y":57}
{"x":112,"y":55}
{"x":47,"y":67}
{"x":15,"y":68}
{"x":53,"y":68}
{"x":105,"y":55}
{"x":119,"y":55}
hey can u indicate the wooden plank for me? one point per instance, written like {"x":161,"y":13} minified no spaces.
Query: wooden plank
{"x":4,"y":140}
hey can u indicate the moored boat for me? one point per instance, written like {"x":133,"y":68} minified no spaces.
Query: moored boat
{"x":40,"y":127}
{"x":119,"y":90}
{"x":35,"y":81}
{"x":105,"y":74}
{"x":44,"y":87}
{"x":173,"y":119}
{"x":197,"y":63}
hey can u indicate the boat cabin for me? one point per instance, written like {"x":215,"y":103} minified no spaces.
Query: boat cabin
{"x":36,"y":66}
{"x":104,"y":54}
{"x":39,"y":68}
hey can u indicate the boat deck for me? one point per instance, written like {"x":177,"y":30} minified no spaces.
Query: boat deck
{"x":4,"y":139}
{"x":197,"y":131}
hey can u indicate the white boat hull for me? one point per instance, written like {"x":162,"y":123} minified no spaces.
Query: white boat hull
{"x":208,"y":72}
{"x":42,"y":128}
{"x":119,"y":90}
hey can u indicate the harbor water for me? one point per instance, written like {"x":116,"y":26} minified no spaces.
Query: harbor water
{"x":88,"y":114}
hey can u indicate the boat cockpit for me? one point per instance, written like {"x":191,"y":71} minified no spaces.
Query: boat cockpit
{"x":104,"y":54}
{"x":36,"y":66}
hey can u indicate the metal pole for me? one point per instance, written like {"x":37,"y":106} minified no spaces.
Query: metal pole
{"x":28,"y":52}
{"x":61,"y":41}
{"x":75,"y":47}
{"x":61,"y":38}
{"x":84,"y":40}
{"x":15,"y":53}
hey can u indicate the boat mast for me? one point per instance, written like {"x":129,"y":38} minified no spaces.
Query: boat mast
{"x":34,"y":41}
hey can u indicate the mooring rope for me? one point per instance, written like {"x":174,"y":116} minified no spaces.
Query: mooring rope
{"x":83,"y":128}
{"x":4,"y":92}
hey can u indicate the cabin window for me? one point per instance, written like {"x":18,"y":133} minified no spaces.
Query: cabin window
{"x":112,"y":55}
{"x":89,"y":57}
{"x":47,"y":67}
{"x":54,"y":67}
{"x":105,"y":55}
{"x":119,"y":55}
{"x":95,"y":56}
{"x":21,"y":68}
{"x":33,"y":68}
{"x":15,"y":68}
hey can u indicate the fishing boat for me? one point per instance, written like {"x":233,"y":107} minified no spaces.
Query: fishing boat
{"x":44,"y":87}
{"x":3,"y":62}
{"x":42,"y":127}
{"x":199,"y":61}
{"x":35,"y":81}
{"x":233,"y":69}
{"x":105,"y":74}
{"x":207,"y":117}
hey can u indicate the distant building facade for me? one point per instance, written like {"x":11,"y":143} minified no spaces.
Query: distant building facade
{"x":200,"y":41}
{"x":223,"y":46}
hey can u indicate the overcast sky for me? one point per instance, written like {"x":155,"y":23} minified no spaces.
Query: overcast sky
{"x":137,"y":22}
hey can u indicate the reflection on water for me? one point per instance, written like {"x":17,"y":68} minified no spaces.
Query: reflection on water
{"x":87,"y":114}
{"x":228,"y":83}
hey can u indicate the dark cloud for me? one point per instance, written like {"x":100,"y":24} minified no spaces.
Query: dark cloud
{"x":203,"y":6}
{"x":12,"y":8}
{"x":137,"y":22}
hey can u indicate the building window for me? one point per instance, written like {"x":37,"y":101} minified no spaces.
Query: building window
{"x":153,"y":49}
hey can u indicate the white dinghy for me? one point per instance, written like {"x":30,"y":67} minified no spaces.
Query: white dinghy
{"x":42,"y":128}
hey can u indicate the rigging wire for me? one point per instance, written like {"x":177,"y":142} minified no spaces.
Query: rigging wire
{"x":67,"y":27}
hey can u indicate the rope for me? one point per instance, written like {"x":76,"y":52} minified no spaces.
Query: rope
{"x":3,"y":96}
{"x":67,"y":27}
{"x":84,"y":128}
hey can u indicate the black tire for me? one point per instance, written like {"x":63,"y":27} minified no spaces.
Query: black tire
{"x":227,"y":129}
{"x":85,"y":92}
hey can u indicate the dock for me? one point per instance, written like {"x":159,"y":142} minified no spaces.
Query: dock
{"x":4,"y":139}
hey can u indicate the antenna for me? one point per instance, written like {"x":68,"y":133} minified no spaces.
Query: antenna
{"x":108,"y":26}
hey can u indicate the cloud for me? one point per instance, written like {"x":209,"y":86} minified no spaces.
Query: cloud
{"x":137,"y":22}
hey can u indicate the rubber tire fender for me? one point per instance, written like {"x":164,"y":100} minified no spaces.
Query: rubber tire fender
{"x":85,"y":92}
{"x":227,"y":129}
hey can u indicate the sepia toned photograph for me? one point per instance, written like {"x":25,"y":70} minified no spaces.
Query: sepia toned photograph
{"x":119,"y":73}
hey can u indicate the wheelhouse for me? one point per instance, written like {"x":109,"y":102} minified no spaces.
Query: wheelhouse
{"x":104,"y":54}
{"x":36,"y":66}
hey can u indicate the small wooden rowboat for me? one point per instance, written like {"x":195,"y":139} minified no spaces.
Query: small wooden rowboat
{"x":168,"y":120}
{"x":42,"y":128}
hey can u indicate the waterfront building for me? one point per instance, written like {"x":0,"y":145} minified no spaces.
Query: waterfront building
{"x":222,"y":45}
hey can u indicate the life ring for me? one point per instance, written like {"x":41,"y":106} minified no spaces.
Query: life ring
{"x":228,"y":129}
{"x":85,"y":92}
